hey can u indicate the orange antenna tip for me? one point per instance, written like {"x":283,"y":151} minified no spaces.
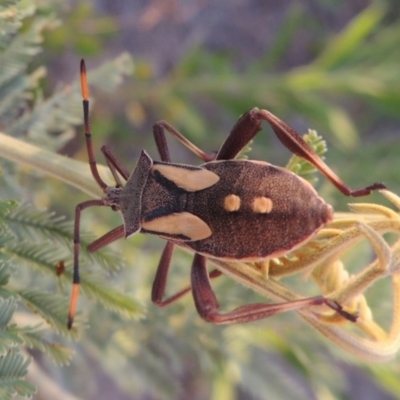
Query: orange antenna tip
{"x":72,"y":305}
{"x":84,"y":85}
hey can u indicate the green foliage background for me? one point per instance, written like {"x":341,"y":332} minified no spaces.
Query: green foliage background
{"x":348,"y":89}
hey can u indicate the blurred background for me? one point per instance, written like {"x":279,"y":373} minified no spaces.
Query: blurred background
{"x":332,"y":66}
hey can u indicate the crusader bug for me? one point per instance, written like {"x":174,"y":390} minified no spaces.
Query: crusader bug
{"x":210,"y":209}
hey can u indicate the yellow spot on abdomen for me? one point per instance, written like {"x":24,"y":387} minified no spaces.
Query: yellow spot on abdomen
{"x":232,"y":203}
{"x":262,"y":205}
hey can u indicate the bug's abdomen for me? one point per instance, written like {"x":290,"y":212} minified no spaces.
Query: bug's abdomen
{"x":256,"y":210}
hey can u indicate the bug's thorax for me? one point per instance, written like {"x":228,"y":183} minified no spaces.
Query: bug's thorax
{"x":167,"y":201}
{"x":128,"y":199}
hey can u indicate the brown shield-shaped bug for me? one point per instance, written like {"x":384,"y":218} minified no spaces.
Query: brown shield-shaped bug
{"x":210,"y":209}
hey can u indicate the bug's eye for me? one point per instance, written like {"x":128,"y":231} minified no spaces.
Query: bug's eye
{"x":114,"y":208}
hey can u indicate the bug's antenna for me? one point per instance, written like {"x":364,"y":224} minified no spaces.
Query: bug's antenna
{"x":90,"y":203}
{"x":88,"y":135}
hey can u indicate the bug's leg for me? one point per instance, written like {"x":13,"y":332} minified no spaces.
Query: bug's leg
{"x":245,"y":129}
{"x":114,"y":164}
{"x":109,"y":237}
{"x":159,"y":129}
{"x":76,"y":279}
{"x":296,"y":144}
{"x":160,"y":280}
{"x":158,"y":291}
{"x":117,"y":233}
{"x":208,"y":308}
{"x":250,"y":123}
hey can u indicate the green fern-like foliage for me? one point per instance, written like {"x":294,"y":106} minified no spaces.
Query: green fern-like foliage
{"x":300,"y":166}
{"x":13,"y":365}
{"x":13,"y":368}
{"x":33,"y":299}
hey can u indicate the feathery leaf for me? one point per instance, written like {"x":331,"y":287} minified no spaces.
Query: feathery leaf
{"x":59,"y":354}
{"x":13,"y":368}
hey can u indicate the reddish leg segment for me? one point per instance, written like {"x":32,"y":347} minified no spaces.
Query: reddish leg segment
{"x":159,"y":137}
{"x":114,"y":163}
{"x":109,"y":237}
{"x":208,"y":308}
{"x":76,"y":279}
{"x":249,"y":125}
{"x":296,"y":144}
{"x":118,"y":232}
{"x":160,"y":280}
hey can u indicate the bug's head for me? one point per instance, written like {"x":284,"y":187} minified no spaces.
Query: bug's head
{"x":128,"y":199}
